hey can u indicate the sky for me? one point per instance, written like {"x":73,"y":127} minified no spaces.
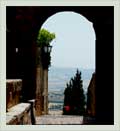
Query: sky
{"x":74,"y":45}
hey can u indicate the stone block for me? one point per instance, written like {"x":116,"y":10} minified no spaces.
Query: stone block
{"x":19,"y":114}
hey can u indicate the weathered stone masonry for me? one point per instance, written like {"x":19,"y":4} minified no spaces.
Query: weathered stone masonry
{"x":18,"y":113}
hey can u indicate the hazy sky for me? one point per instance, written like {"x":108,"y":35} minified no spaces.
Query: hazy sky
{"x":74,"y":45}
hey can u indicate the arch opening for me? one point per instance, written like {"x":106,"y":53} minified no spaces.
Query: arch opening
{"x":74,"y":47}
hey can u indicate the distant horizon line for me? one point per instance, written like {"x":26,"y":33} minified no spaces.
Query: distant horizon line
{"x":71,"y":67}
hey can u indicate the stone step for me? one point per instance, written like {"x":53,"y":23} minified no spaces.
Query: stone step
{"x":59,"y":120}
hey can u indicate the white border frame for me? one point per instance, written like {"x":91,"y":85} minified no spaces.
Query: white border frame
{"x":116,"y":4}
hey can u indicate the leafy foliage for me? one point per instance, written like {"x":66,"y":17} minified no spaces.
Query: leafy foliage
{"x":44,"y":37}
{"x":74,"y":96}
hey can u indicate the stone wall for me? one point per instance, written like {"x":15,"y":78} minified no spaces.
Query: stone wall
{"x":13,"y":91}
{"x":91,"y":97}
{"x":18,"y":113}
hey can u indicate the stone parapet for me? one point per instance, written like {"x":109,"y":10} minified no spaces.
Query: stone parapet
{"x":13,"y":90}
{"x":19,"y":114}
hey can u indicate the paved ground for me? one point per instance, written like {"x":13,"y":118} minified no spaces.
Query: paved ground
{"x":57,"y":112}
{"x":59,"y":120}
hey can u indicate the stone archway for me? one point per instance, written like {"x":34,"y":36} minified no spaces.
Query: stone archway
{"x":33,"y":17}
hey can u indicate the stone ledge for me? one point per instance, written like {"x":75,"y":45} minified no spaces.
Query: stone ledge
{"x":11,"y":120}
{"x":19,"y":114}
{"x":13,"y":80}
